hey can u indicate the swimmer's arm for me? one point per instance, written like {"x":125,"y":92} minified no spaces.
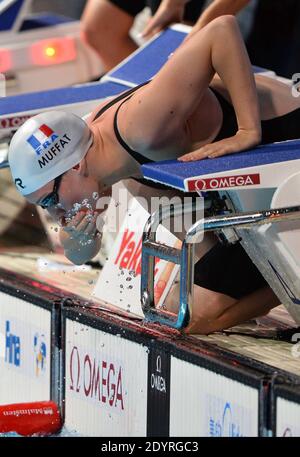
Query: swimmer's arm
{"x":167,"y":102}
{"x":215,"y":9}
{"x":169,"y":11}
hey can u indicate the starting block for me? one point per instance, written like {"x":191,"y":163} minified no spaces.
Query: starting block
{"x":259,"y":187}
{"x":41,"y":51}
{"x":80,"y":100}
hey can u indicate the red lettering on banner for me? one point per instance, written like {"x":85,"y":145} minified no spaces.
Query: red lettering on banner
{"x":119,"y":396}
{"x":111,"y":385}
{"x":223,"y":182}
{"x":135,"y":261}
{"x":125,"y":240}
{"x":87,"y":371}
{"x":75,"y":369}
{"x":105,"y":386}
{"x":104,"y":381}
{"x":129,"y":256}
{"x":13,"y":122}
{"x":95,"y":381}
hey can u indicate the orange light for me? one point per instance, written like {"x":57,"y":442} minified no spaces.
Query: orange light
{"x":5,"y":60}
{"x":53,"y":52}
{"x":50,"y":51}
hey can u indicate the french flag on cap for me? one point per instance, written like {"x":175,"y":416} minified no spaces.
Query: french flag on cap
{"x":40,"y":137}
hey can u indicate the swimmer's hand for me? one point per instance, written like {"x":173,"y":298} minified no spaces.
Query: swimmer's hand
{"x":242,"y":140}
{"x":169,"y":11}
{"x":80,"y":237}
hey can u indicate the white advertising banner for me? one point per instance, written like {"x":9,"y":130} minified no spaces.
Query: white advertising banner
{"x":25,"y":346}
{"x":106,"y":383}
{"x":204,"y":403}
{"x":287,"y":418}
{"x":120,"y":280}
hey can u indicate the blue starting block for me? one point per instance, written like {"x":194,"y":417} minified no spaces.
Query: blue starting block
{"x":79,"y":100}
{"x":252,"y":169}
{"x":259,"y":187}
{"x":12,"y":13}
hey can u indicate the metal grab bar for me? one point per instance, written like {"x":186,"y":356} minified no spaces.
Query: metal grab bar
{"x":152,"y":249}
{"x":186,"y":255}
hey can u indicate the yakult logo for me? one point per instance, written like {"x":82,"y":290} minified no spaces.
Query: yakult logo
{"x":130,"y":253}
{"x":223,"y":182}
{"x":96,"y":379}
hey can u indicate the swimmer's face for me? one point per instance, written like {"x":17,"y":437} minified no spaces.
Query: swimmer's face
{"x":74,"y":188}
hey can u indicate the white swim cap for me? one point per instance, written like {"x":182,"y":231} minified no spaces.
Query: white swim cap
{"x":46,"y":146}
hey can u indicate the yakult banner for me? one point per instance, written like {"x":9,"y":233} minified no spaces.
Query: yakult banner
{"x":25,"y":351}
{"x":120,"y":279}
{"x":106,"y":383}
{"x":204,"y":403}
{"x":287,"y":417}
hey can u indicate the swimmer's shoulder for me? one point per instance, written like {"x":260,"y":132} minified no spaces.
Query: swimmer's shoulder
{"x":91,"y":117}
{"x":119,"y":99}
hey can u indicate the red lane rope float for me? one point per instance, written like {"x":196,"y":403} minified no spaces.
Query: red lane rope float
{"x":39,"y":418}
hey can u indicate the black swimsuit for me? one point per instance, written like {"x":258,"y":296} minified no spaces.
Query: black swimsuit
{"x":281,"y":128}
{"x":224,"y":269}
{"x":136,"y":155}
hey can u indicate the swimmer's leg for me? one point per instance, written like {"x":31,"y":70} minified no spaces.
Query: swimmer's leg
{"x":105,"y":27}
{"x":214,"y":311}
{"x":228,"y":290}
